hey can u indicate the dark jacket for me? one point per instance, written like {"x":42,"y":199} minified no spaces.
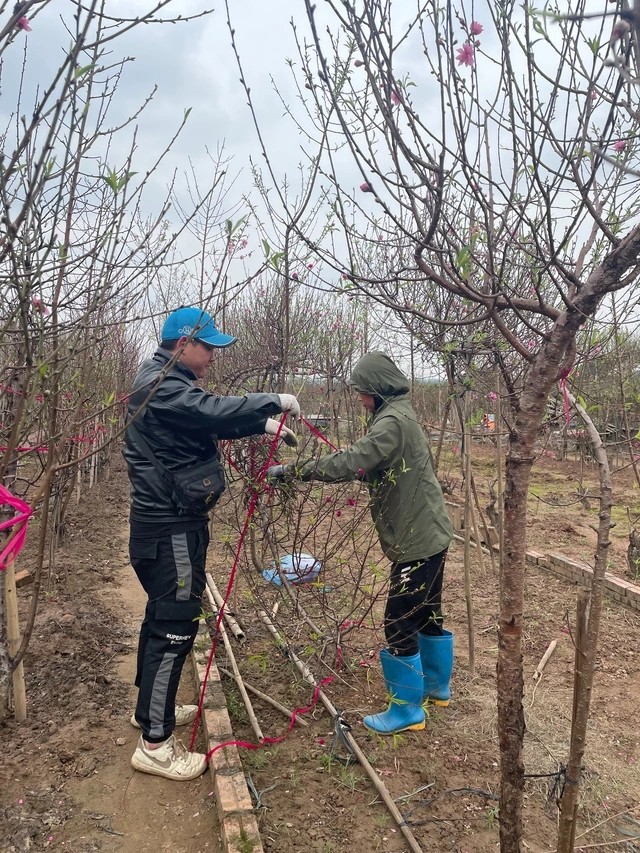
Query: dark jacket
{"x":394,"y":459}
{"x":181,"y":423}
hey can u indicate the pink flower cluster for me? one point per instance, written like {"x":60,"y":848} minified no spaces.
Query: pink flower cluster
{"x":466,"y":55}
{"x":39,"y":305}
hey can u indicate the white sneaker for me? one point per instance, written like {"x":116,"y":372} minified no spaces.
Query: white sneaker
{"x":185,"y":714}
{"x":171,"y":760}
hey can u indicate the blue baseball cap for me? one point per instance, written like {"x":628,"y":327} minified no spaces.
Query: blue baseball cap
{"x":195,"y":324}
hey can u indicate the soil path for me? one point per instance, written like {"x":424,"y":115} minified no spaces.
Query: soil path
{"x":151,"y":813}
{"x":68,"y":783}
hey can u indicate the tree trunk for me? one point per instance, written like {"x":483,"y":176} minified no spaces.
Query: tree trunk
{"x":510,"y":682}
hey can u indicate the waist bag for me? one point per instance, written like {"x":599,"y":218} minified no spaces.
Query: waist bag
{"x":195,"y":489}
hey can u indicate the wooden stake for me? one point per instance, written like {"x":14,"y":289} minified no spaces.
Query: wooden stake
{"x":13,"y":640}
{"x":468,"y":515}
{"x":581,"y":634}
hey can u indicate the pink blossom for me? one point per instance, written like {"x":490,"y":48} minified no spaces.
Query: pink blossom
{"x":310,"y":266}
{"x":619,"y":146}
{"x":23,"y":24}
{"x":361,"y":472}
{"x":620,"y":30}
{"x":338,"y":513}
{"x":39,"y":305}
{"x":492,"y":396}
{"x":328,"y":500}
{"x":476,"y":28}
{"x":466,"y":55}
{"x":593,"y":95}
{"x":395,"y":98}
{"x":366,"y":187}
{"x":358,"y":63}
{"x":295,"y":276}
{"x":352,"y":502}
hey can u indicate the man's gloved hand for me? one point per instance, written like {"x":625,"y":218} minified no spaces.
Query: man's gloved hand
{"x":289,"y":403}
{"x":276,"y":474}
{"x":288,"y":436}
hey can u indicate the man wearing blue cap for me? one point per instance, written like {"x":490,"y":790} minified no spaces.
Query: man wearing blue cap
{"x":173,"y":428}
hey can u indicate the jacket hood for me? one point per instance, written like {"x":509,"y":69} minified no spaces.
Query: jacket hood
{"x":376,"y":374}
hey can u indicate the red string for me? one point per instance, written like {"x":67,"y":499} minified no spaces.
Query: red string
{"x":318,"y":433}
{"x":234,"y":568}
{"x":20,"y":520}
{"x":270,"y":741}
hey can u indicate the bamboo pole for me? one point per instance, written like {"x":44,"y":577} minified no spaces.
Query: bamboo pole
{"x":371,"y":773}
{"x":299,"y":721}
{"x":255,"y":725}
{"x":232,"y":623}
{"x":13,"y":642}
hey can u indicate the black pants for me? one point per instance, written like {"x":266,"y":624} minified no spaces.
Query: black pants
{"x":414,"y":603}
{"x":172,"y":571}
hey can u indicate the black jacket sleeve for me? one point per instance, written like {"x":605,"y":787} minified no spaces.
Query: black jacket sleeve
{"x":183,"y":406}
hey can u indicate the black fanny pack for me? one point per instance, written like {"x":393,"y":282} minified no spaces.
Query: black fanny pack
{"x":195,"y":489}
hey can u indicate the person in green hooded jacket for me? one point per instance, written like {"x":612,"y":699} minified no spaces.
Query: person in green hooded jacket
{"x":411,"y":519}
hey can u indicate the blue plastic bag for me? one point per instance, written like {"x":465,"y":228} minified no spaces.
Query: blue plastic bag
{"x":297,"y":568}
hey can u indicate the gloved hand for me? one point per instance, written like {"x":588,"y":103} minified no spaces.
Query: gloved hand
{"x":276,"y":474}
{"x":288,"y":436}
{"x":289,"y":403}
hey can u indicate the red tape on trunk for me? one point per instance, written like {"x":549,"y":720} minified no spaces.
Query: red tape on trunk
{"x":19,"y":521}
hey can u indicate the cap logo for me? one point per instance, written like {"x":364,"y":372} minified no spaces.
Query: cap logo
{"x":185,"y":330}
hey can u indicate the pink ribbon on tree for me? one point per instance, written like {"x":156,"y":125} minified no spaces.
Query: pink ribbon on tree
{"x":19,"y":521}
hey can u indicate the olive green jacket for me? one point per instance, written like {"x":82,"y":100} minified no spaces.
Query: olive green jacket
{"x":394,"y":459}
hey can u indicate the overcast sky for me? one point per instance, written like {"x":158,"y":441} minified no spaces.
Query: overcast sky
{"x":194,"y":67}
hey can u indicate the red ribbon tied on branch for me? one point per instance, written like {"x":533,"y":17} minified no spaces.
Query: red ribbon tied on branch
{"x":19,"y":521}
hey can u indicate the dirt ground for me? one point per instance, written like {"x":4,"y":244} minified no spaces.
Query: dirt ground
{"x":66,"y":781}
{"x":65,"y":778}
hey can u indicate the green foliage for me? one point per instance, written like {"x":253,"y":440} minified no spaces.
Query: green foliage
{"x":80,"y":71}
{"x":463,"y":261}
{"x":232,"y":228}
{"x":117,"y":182}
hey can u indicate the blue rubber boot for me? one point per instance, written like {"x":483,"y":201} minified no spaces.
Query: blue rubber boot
{"x":436,"y":655}
{"x":403,"y":677}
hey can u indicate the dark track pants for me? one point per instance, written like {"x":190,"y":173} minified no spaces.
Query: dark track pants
{"x":414,"y":603}
{"x":172,"y":571}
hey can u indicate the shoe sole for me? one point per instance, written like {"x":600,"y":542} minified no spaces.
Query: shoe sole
{"x":166,"y":774}
{"x":441,"y":703}
{"x":416,"y":727}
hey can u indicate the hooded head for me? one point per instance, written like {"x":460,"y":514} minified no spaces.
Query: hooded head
{"x":377,"y":375}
